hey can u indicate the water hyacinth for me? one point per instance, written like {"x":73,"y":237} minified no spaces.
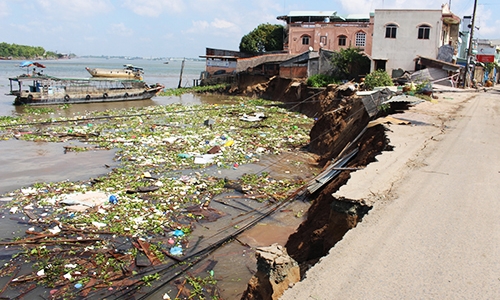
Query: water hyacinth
{"x":147,"y":194}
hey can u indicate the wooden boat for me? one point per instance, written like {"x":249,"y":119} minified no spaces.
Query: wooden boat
{"x":47,"y":90}
{"x":128,"y":72}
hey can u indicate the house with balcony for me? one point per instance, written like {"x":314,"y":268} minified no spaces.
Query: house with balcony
{"x":220,"y":60}
{"x":402,"y":36}
{"x":315,"y":30}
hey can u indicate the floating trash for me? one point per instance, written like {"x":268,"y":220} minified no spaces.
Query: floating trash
{"x":113,"y":199}
{"x":178,"y":233}
{"x":176,"y":250}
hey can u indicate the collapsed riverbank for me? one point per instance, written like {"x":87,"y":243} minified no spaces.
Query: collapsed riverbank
{"x":333,"y":107}
{"x":138,"y":221}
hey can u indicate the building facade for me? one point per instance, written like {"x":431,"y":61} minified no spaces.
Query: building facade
{"x":400,"y":36}
{"x":315,"y":30}
{"x":221,"y":61}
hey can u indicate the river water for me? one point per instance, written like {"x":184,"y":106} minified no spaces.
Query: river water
{"x":155,"y":71}
{"x":24,"y":163}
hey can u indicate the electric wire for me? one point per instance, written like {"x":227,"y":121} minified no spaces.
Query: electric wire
{"x":201,"y":254}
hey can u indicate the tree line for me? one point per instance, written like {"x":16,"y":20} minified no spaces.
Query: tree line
{"x":23,"y":51}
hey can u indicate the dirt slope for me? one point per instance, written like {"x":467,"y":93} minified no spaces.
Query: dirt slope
{"x":431,"y":232}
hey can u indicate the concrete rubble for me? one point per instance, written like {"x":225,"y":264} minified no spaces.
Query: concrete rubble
{"x":276,"y":272}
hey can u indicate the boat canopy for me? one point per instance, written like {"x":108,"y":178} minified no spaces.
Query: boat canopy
{"x":28,"y":63}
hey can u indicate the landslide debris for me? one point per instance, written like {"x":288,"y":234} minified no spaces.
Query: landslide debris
{"x":110,"y":236}
{"x":340,"y":117}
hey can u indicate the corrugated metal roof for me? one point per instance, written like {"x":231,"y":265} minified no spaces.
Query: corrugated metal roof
{"x":219,"y":56}
{"x":330,"y":172}
{"x":312,"y":13}
{"x":244,"y":64}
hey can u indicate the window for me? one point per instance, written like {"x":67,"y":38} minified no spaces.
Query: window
{"x":424,"y":32}
{"x":390,"y":31}
{"x":305,"y":40}
{"x":360,"y":39}
{"x":342,"y":40}
{"x":380,"y":64}
{"x":322,"y":41}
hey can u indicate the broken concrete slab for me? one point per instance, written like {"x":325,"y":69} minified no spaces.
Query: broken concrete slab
{"x":276,"y":272}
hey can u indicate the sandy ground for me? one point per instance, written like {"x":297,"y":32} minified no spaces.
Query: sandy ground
{"x":433,"y":232}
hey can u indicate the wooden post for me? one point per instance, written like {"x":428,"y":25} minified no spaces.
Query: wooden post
{"x":180,"y":77}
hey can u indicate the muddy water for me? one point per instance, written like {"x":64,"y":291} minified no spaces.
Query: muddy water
{"x":234,"y":263}
{"x":24,"y":163}
{"x":185,"y":99}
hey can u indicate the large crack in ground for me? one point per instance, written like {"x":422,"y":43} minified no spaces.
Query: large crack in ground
{"x":340,"y":119}
{"x":329,"y":218}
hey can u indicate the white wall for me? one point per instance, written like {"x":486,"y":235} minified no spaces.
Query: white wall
{"x":401,"y":51}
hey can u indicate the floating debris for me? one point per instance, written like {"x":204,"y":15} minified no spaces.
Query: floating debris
{"x":106,"y":227}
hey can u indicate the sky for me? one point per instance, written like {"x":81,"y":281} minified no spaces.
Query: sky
{"x":183,"y":28}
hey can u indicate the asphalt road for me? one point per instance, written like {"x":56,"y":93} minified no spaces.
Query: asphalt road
{"x":434,"y":231}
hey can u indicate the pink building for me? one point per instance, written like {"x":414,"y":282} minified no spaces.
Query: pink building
{"x":314,"y":30}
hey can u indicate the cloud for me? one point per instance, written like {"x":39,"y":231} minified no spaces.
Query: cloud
{"x":222,"y":24}
{"x":487,"y":28}
{"x":73,"y":8}
{"x":21,"y":27}
{"x":154,"y":8}
{"x":4,"y":9}
{"x":199,"y":26}
{"x":120,"y":29}
{"x":367,"y":6}
{"x":218,"y":27}
{"x":168,"y":36}
{"x":90,"y":39}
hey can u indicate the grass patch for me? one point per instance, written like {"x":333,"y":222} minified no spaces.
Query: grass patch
{"x":196,"y":89}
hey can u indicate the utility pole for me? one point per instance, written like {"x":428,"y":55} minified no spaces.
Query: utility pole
{"x":469,"y":49}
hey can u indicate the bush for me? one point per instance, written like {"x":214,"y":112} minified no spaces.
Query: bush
{"x":377,"y":78}
{"x":350,"y":63}
{"x":320,"y":80}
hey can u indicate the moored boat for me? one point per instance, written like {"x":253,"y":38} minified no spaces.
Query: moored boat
{"x":47,"y":90}
{"x":128,"y":72}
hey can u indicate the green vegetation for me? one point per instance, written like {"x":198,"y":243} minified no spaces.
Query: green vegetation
{"x":489,"y":67}
{"x":320,"y":80}
{"x":202,"y":286}
{"x":196,"y":89}
{"x":38,"y":110}
{"x":419,"y":88}
{"x":148,"y":279}
{"x":265,"y":38}
{"x":152,"y":144}
{"x":350,"y":63}
{"x":27,"y":52}
{"x":378,"y":78}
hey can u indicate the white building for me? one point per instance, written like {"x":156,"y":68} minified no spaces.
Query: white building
{"x":399,"y":36}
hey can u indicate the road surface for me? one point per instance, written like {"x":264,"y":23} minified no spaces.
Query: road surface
{"x":434,"y":230}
